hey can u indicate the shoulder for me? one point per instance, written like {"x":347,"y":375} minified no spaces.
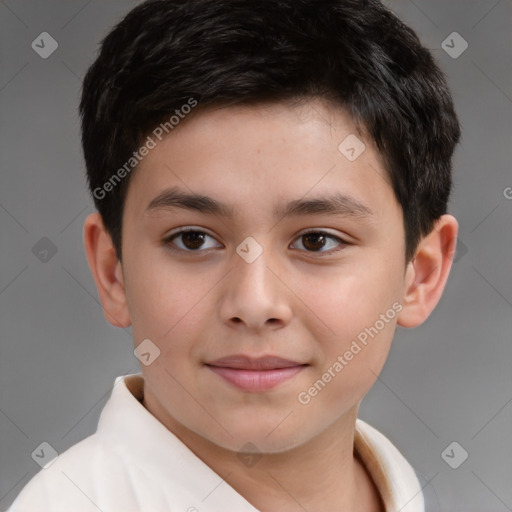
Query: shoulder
{"x":76,"y":480}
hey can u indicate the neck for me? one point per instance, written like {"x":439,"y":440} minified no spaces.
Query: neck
{"x":322,"y":474}
{"x":317,"y":476}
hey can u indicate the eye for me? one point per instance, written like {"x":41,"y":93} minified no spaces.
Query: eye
{"x":320,"y":242}
{"x":191,"y":240}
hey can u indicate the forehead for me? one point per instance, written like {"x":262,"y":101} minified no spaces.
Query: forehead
{"x":261,"y":157}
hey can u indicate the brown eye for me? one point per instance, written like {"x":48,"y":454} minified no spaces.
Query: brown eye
{"x":313,"y":242}
{"x":320,"y":242}
{"x":191,"y":240}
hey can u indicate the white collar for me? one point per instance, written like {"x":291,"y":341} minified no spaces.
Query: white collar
{"x":159,"y":453}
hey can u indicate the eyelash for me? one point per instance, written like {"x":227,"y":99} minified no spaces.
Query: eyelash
{"x":342,"y":243}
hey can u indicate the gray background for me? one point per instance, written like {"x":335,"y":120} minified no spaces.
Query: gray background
{"x":448,"y":380}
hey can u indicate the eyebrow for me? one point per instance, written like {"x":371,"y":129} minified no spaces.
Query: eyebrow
{"x":334,"y":204}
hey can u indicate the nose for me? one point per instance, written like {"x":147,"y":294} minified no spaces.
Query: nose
{"x":255,"y":297}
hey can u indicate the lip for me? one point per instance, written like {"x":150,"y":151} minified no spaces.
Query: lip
{"x":255,"y":374}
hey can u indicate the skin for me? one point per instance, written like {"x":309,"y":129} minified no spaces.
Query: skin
{"x":297,"y":300}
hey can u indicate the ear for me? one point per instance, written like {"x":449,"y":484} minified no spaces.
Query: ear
{"x":106,"y":270}
{"x":428,"y":271}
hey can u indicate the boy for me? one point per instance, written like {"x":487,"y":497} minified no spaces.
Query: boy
{"x":271,"y":180}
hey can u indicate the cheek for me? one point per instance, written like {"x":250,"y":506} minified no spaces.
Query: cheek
{"x":161,"y":298}
{"x":345,"y":302}
{"x":351,"y":363}
{"x":358,"y":307}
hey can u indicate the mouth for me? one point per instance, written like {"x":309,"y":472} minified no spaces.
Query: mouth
{"x":255,"y":374}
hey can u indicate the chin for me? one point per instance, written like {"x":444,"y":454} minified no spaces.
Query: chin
{"x":261,"y":436}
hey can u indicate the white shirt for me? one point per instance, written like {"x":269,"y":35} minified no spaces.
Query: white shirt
{"x":133,"y":463}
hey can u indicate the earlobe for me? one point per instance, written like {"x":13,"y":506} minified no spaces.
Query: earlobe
{"x":428,"y":271}
{"x":106,"y":270}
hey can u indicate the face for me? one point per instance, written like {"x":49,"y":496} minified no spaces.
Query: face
{"x":274,"y":311}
